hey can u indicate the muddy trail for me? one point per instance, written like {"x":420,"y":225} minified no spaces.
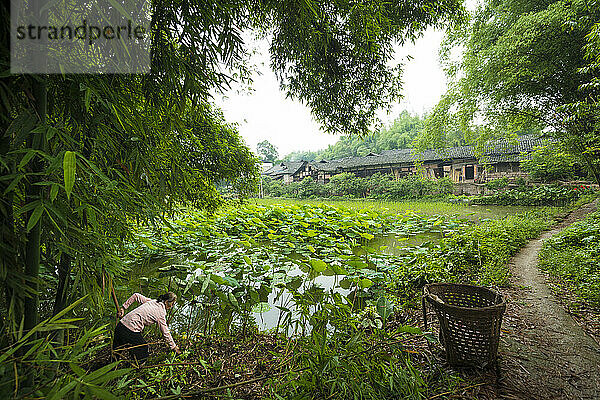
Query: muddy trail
{"x":544,"y":354}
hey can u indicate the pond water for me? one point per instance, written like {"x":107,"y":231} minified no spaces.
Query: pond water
{"x":393,"y":244}
{"x":267,"y":315}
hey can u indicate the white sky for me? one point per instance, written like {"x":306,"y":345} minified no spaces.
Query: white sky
{"x":265,"y":113}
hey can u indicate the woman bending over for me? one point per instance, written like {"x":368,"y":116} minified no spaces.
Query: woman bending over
{"x":128,"y":332}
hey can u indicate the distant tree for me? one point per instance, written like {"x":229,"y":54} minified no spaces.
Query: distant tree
{"x":266,"y":151}
{"x":399,"y":135}
{"x":304,"y":155}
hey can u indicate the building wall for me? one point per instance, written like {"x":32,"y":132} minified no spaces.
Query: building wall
{"x":458,"y":170}
{"x":264,"y":166}
{"x":469,"y":188}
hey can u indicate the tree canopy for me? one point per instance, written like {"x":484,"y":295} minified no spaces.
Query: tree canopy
{"x":399,"y":135}
{"x":266,"y":151}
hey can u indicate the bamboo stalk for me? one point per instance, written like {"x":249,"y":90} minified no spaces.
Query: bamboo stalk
{"x":114,"y":296}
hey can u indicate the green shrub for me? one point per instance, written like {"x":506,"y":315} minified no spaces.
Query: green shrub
{"x":550,"y":163}
{"x":497,"y":184}
{"x":272,"y":187}
{"x":444,"y":187}
{"x":348,"y":185}
{"x":348,"y":363}
{"x":535,"y":196}
{"x":573,"y":255}
{"x":481,"y":253}
{"x":308,"y":188}
{"x":474,"y":254}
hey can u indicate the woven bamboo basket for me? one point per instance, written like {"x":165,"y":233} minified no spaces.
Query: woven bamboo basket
{"x":470,"y":318}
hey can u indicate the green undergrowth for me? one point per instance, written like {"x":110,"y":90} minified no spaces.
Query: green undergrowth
{"x":573,"y":255}
{"x":483,"y":251}
{"x":426,"y":207}
{"x":477,"y":253}
{"x":341,"y":299}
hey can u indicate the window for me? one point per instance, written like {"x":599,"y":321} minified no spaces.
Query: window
{"x":469,"y":172}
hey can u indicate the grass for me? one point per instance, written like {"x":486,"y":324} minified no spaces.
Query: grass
{"x":428,"y":207}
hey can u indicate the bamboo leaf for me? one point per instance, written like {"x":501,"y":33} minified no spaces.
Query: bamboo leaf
{"x":77,"y":369}
{"x":26,"y":158}
{"x":51,"y":132}
{"x":13,"y":184}
{"x":35,"y":216}
{"x":120,"y":8}
{"x":69,"y":166}
{"x":91,"y":214}
{"x":53,"y":192}
{"x":63,"y":391}
{"x":101,"y":393}
{"x":106,"y":373}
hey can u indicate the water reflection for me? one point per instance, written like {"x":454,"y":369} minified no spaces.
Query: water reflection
{"x":272,"y":316}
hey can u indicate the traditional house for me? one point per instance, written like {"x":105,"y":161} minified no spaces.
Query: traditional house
{"x":265,"y":166}
{"x":499,"y":158}
{"x":287,"y":171}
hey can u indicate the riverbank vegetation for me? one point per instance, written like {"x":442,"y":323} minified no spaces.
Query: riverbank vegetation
{"x":386,"y":188}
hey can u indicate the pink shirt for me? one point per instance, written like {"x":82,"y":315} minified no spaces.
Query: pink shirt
{"x":150,"y":312}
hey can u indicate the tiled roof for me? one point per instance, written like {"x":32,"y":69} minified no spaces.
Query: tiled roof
{"x":495,"y":151}
{"x":285,"y":168}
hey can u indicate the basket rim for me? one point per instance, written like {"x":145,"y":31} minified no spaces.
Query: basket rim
{"x":501,"y":304}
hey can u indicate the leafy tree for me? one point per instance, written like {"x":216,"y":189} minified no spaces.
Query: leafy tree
{"x":347,"y":184}
{"x":267,"y":151}
{"x":550,"y":163}
{"x":520,"y":69}
{"x":335,"y":56}
{"x":273,"y":188}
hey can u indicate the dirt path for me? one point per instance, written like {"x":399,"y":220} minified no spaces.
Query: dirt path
{"x":544,"y":354}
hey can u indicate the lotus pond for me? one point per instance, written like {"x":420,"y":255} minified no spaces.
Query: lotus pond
{"x":459,"y":208}
{"x":321,"y":299}
{"x":272,"y":265}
